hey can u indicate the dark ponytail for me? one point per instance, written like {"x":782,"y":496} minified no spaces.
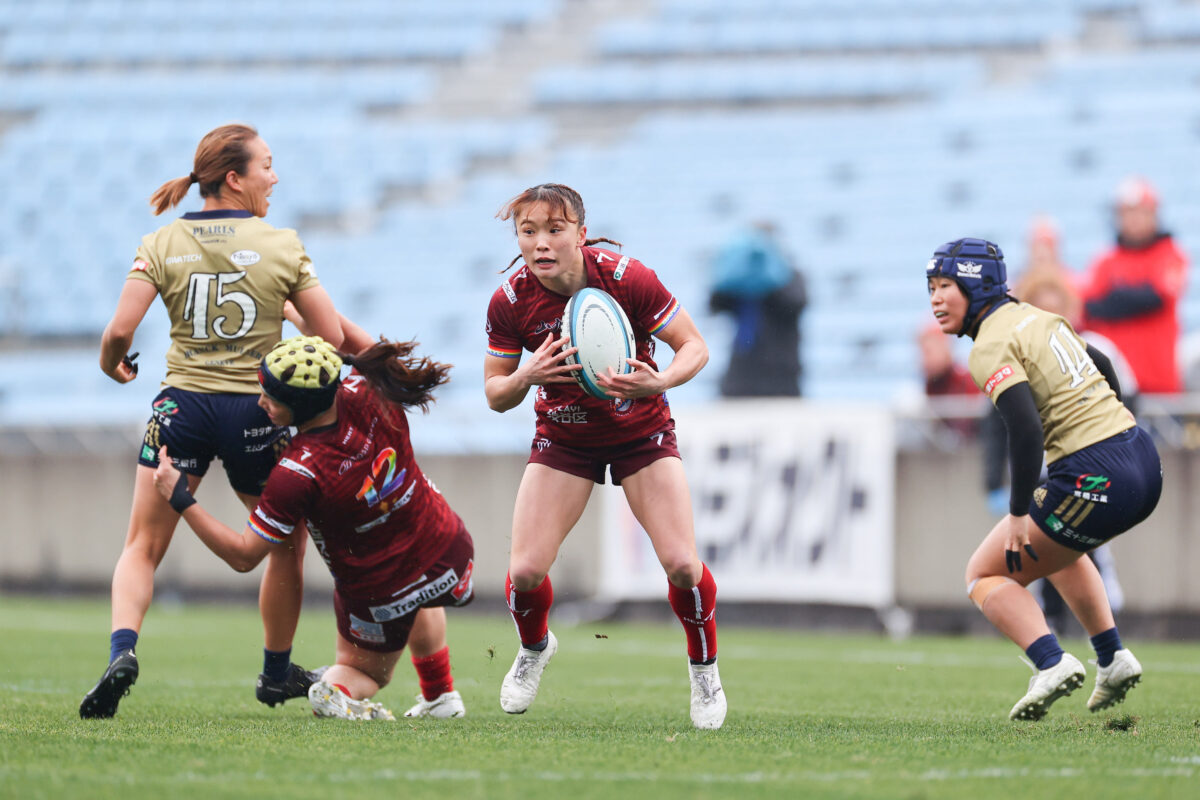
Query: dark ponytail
{"x":400,"y":378}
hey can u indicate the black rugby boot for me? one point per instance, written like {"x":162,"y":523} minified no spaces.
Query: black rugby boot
{"x":296,"y":684}
{"x":101,"y":702}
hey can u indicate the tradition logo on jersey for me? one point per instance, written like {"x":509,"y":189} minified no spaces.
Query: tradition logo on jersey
{"x":969,"y":269}
{"x":998,"y":377}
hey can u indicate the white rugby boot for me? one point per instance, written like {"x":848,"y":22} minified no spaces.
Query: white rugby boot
{"x":447,"y":705}
{"x":1047,"y":686}
{"x":328,"y":700}
{"x":1115,"y":680}
{"x":520,"y":686}
{"x":708,"y":697}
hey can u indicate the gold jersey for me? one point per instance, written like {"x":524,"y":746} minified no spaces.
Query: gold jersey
{"x":223,"y":276}
{"x":1020,"y":343}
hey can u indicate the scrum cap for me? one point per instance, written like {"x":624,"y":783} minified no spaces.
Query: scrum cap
{"x":977,"y":266}
{"x":303,"y":373}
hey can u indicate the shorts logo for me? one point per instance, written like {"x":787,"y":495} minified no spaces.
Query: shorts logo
{"x":1091,"y":487}
{"x":541,"y":443}
{"x":148,"y":453}
{"x":1055,"y":523}
{"x":997,"y":378}
{"x":367,"y":631}
{"x":464,"y":590}
{"x":1039,"y":496}
{"x":410,"y":602}
{"x":167,"y":407}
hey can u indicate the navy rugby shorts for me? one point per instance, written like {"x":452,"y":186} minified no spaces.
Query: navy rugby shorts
{"x":1100,"y":491}
{"x":383,"y":625}
{"x":197,"y":427}
{"x":622,"y":460}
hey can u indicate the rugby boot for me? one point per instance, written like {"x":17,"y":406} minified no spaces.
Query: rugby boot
{"x":1047,"y":686}
{"x":520,"y":686}
{"x":296,"y":684}
{"x":101,"y":702}
{"x":445,"y":706}
{"x":1115,"y":680}
{"x":708,"y":697}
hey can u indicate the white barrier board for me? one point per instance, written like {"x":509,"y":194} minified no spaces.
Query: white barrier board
{"x":793,"y":501}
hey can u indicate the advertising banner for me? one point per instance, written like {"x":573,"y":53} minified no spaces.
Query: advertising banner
{"x":793,"y":502}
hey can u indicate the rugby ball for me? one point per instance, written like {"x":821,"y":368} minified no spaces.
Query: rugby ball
{"x":595,"y":323}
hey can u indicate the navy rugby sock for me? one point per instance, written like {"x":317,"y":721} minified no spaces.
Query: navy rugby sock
{"x":277,"y":663}
{"x":1106,"y":644}
{"x":1045,"y":652}
{"x":121,"y":640}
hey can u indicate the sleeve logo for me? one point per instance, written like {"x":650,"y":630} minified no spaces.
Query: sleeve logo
{"x":997,"y":378}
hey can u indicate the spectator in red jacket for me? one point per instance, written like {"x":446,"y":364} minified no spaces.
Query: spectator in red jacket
{"x":1132,"y":292}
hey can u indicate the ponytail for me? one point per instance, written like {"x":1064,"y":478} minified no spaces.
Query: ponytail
{"x":221,"y":150}
{"x":400,"y":378}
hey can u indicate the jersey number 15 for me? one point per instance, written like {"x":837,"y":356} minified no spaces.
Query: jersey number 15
{"x":195,"y":308}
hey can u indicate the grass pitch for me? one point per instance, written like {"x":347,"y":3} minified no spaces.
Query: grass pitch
{"x":810,"y":716}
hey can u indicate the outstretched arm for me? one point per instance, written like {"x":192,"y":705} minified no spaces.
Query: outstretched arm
{"x":241,"y":551}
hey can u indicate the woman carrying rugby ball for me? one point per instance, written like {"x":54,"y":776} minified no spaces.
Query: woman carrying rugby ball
{"x":577,"y":435}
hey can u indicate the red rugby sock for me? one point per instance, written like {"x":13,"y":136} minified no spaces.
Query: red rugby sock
{"x":530,"y":610}
{"x":696,"y":609}
{"x":433,"y":673}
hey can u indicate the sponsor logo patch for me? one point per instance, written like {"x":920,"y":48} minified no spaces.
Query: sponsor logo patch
{"x":410,"y":602}
{"x":998,"y":377}
{"x":367,"y":631}
{"x":622,"y":265}
{"x":1055,"y":523}
{"x":244,"y":258}
{"x":190,"y":258}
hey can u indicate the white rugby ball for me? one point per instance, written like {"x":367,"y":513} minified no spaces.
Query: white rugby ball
{"x":594,"y":322}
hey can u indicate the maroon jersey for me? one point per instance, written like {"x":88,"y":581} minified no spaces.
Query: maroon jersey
{"x":375,"y":518}
{"x":523,"y":311}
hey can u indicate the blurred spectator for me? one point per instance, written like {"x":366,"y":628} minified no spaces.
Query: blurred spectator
{"x":756,"y":282}
{"x":1132,"y":291}
{"x":943,"y":375}
{"x":946,"y":377}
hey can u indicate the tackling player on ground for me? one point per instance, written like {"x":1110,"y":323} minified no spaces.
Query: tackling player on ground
{"x":1060,"y":396}
{"x":391,"y":541}
{"x":578,"y":436}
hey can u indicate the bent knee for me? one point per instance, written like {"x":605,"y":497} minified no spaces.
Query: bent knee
{"x":525,"y":579}
{"x":684,"y":573}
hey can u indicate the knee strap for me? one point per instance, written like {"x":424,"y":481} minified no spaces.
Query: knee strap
{"x":980,"y":588}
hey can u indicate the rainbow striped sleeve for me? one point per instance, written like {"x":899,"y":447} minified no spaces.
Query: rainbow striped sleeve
{"x":504,"y":352}
{"x":268,"y":531}
{"x":667,"y":315}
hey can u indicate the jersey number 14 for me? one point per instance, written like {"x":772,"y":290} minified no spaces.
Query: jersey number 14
{"x":1072,"y":358}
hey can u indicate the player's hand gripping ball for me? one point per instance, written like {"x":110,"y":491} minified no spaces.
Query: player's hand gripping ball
{"x":594,"y":322}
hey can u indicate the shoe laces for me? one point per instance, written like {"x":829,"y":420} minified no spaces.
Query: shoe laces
{"x":708,"y":691}
{"x":524,"y":663}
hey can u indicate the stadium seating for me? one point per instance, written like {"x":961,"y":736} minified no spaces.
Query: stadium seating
{"x":869,"y":132}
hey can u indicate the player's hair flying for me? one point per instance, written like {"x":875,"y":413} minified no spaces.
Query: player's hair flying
{"x":561,"y":199}
{"x":221,"y":150}
{"x":400,"y":377}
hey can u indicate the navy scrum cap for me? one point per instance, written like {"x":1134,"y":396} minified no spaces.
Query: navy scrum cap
{"x":977,"y":266}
